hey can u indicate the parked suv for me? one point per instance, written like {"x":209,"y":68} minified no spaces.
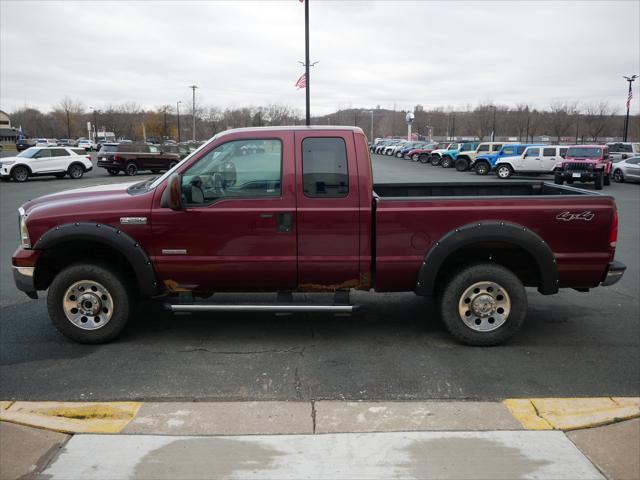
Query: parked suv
{"x":450,"y":156}
{"x":623,"y":150}
{"x":106,"y":154}
{"x":133,"y":157}
{"x":41,"y":161}
{"x":24,"y":143}
{"x":485,"y":162}
{"x":465,"y":159}
{"x":536,"y":160}
{"x":586,"y":163}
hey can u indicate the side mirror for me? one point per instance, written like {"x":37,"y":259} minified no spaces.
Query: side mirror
{"x":172,"y":196}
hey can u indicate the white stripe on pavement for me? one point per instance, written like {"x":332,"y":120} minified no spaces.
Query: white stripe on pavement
{"x":460,"y":455}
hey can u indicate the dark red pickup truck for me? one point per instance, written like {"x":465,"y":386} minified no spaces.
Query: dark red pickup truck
{"x":295,"y":210}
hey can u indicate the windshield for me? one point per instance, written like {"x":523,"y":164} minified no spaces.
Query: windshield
{"x":28,"y":153}
{"x":620,"y":148}
{"x":588,"y":152}
{"x":108,"y":148}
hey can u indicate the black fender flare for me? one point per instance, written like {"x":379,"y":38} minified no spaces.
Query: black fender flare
{"x":112,"y":237}
{"x":492,"y":231}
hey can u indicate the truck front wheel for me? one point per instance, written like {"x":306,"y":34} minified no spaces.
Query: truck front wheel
{"x":484,"y":304}
{"x":446,"y":162}
{"x":607,"y":179}
{"x":462,"y":165}
{"x":482,"y":168}
{"x":89,"y":303}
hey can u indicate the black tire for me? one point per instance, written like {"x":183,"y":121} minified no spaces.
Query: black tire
{"x":446,"y":162}
{"x":415,"y":157}
{"x":557,"y":178}
{"x":618,"y":176}
{"x":113,"y":281}
{"x":462,"y":165}
{"x":76,"y":171}
{"x":434,"y":160}
{"x":131,"y":169}
{"x":569,"y":181}
{"x":20,"y":174}
{"x":452,"y":302}
{"x":504,"y":171}
{"x":113,"y":171}
{"x":155,"y":170}
{"x":598,"y":180}
{"x":423,"y":158}
{"x":607,"y":179}
{"x":482,"y":168}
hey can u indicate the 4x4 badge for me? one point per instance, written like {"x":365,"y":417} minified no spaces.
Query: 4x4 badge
{"x":569,"y":216}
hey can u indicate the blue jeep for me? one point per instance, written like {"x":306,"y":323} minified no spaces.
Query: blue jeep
{"x":484,"y":163}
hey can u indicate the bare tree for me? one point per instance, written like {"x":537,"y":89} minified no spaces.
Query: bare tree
{"x":598,"y":116}
{"x":70,"y":110}
{"x":561,"y":118}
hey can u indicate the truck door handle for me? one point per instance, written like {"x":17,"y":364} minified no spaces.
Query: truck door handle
{"x":285,"y":221}
{"x":266,"y":215}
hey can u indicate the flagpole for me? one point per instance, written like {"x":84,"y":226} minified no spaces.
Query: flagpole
{"x":306,"y":59}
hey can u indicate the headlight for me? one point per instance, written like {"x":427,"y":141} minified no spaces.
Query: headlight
{"x":24,"y":232}
{"x":8,"y":162}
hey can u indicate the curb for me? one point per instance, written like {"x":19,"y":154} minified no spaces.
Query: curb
{"x":531,"y":413}
{"x":71,"y":417}
{"x":572,"y":413}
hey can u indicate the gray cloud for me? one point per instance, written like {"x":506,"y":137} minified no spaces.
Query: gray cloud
{"x":370,"y":53}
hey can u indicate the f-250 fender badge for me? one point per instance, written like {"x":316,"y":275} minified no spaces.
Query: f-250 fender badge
{"x":569,"y":216}
{"x":133,"y":220}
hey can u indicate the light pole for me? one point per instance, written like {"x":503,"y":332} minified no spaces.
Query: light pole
{"x":95,"y":124}
{"x":493,"y":129}
{"x":629,"y":96}
{"x":193,"y":87}
{"x":178,"y":110}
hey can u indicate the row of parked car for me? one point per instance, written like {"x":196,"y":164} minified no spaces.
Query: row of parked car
{"x":73,"y":161}
{"x":568,"y":163}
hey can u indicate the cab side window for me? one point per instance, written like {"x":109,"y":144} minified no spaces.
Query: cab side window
{"x":496,"y":148}
{"x":483,"y":148}
{"x":548,"y":152}
{"x":533,"y":152}
{"x":236,"y":169}
{"x":59,"y":152}
{"x":325,"y":173}
{"x":44,"y":153}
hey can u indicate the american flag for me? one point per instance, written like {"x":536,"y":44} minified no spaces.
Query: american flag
{"x":629,"y":98}
{"x":302,"y":81}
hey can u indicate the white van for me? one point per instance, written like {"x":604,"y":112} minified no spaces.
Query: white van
{"x":535,"y":159}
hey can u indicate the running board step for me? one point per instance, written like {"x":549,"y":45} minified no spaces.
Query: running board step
{"x":260,"y":308}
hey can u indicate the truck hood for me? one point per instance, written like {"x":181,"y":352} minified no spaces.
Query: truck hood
{"x":75,"y":198}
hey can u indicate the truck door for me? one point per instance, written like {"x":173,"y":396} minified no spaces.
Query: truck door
{"x":531,"y":160}
{"x":237,"y":229}
{"x":328,"y":210}
{"x":549,"y":159}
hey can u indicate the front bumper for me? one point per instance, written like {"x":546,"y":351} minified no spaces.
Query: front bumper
{"x":615,"y":270}
{"x":579,"y":176}
{"x":24,"y":280}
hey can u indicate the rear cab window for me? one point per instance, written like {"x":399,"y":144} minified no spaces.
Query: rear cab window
{"x":325,"y":172}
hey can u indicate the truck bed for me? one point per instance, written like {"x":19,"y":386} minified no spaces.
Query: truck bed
{"x":467,"y":189}
{"x":411,"y":218}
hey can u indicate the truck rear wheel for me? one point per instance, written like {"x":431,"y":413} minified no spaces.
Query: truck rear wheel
{"x":607,"y":179}
{"x":484,"y":304}
{"x":462,"y":165}
{"x":434,"y":160}
{"x":598,"y":181}
{"x":131,"y":169}
{"x":445,"y":162}
{"x":89,"y":303}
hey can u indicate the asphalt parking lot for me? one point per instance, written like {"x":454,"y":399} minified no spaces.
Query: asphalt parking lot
{"x":573,"y":344}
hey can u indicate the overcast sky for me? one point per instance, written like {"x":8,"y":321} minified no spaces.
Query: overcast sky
{"x":387,"y":53}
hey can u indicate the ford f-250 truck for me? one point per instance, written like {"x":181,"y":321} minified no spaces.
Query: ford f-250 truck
{"x":294,"y":209}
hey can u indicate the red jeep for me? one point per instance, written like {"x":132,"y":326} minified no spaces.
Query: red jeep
{"x":585,"y":163}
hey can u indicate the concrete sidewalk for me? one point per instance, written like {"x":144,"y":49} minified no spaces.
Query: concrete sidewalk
{"x":520,"y":438}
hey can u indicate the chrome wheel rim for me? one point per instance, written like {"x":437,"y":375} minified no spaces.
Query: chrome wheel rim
{"x":88,"y":305}
{"x":503,"y":172}
{"x":484,"y":306}
{"x":617,"y":175}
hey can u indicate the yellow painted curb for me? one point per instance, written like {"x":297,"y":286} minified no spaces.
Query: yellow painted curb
{"x":4,"y":404}
{"x":72,"y":417}
{"x":572,"y":413}
{"x":524,"y":411}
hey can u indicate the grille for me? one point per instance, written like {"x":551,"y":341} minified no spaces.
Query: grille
{"x":578,"y":166}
